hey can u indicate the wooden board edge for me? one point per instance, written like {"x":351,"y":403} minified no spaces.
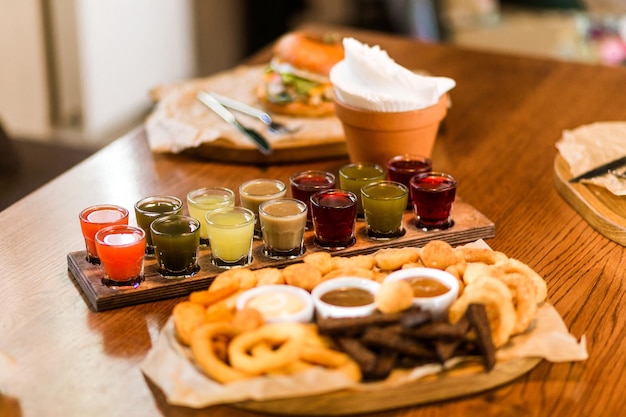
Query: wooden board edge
{"x":226,"y":152}
{"x":420,"y":392}
{"x":582,"y":199}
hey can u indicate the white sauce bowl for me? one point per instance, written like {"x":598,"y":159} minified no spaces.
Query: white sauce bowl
{"x":279,"y":303}
{"x":330,"y":310}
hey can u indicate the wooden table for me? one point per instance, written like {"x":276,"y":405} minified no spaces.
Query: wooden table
{"x":498,"y":139}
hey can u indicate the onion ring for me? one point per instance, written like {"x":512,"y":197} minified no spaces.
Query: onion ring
{"x":497,"y":299}
{"x":206,"y":357}
{"x":287,"y":340}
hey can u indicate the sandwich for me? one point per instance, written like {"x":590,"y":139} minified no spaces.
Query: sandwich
{"x":296,"y":82}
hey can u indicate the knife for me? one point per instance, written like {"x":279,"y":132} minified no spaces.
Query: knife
{"x":601,"y":170}
{"x":261,"y":143}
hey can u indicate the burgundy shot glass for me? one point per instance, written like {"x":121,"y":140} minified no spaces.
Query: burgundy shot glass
{"x":334,"y":218}
{"x":306,"y":183}
{"x":401,"y":168}
{"x":432,"y":194}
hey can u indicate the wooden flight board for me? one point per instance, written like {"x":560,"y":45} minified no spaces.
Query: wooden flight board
{"x":469,"y":225}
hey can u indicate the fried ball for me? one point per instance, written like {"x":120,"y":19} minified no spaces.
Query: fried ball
{"x":394,"y":296}
{"x":438,"y":254}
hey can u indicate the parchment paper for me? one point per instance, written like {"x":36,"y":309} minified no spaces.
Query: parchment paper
{"x":589,"y":146}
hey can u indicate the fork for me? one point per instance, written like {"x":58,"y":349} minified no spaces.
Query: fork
{"x":274,"y":127}
{"x":616,"y":173}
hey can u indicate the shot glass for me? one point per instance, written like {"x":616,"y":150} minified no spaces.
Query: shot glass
{"x":98,"y":217}
{"x":231,"y":231}
{"x":401,"y":168}
{"x":334,"y":218}
{"x":384,"y":204}
{"x":151,"y":208}
{"x":121,"y":250}
{"x":204,"y":200}
{"x":354,"y":176}
{"x":253,"y":193}
{"x":306,"y":183}
{"x":433,"y":194}
{"x":176,"y":240}
{"x":283,"y":222}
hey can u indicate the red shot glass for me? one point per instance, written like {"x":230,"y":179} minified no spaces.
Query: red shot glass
{"x":334,"y":218}
{"x":401,"y":168}
{"x":432,"y":194}
{"x":306,"y":183}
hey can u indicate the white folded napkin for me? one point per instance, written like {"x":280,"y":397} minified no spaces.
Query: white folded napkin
{"x":368,"y":78}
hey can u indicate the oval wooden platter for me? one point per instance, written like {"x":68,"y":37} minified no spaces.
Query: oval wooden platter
{"x":444,"y":386}
{"x":603,"y":210}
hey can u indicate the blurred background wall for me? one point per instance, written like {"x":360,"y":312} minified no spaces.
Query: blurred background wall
{"x":79,"y":72}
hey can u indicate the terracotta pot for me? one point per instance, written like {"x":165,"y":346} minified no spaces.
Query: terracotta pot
{"x":377,"y":136}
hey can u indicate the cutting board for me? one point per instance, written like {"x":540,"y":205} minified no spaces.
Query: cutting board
{"x":469,"y":225}
{"x":603,"y":210}
{"x":443,"y":386}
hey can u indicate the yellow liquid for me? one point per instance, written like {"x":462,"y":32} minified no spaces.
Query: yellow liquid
{"x":231,"y":236}
{"x":205,"y":204}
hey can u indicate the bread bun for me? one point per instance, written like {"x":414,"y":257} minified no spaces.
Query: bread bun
{"x":308,"y":52}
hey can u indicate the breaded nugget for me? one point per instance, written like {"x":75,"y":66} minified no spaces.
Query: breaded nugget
{"x":358,"y":261}
{"x":269,"y":276}
{"x":390,"y":259}
{"x":320,"y":260}
{"x":302,"y":275}
{"x":350,"y":272}
{"x":188,"y":316}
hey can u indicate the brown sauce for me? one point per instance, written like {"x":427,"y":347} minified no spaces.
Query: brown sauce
{"x":427,"y":287}
{"x":348,"y":297}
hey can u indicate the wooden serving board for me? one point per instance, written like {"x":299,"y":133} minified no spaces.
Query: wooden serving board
{"x":469,"y":225}
{"x":603,"y":210}
{"x":443,"y":386}
{"x":290,"y":151}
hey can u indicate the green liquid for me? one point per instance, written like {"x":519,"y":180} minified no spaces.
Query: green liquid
{"x":384,"y":205}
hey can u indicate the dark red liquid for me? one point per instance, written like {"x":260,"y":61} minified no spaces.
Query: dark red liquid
{"x":403,"y":169}
{"x":305,"y":185}
{"x":334,"y":218}
{"x":432,"y":200}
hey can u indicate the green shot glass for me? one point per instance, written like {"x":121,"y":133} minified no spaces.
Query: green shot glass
{"x":151,"y":208}
{"x":176,"y":240}
{"x":354,"y":176}
{"x":384,"y":204}
{"x":231,"y":231}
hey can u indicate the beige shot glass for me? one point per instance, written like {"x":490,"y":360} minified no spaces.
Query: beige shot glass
{"x":253,"y":193}
{"x":283,"y":223}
